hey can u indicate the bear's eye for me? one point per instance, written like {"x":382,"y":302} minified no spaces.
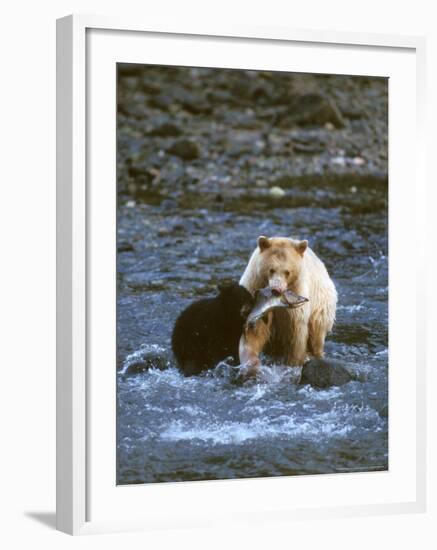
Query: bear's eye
{"x":286,"y":273}
{"x":272,"y":271}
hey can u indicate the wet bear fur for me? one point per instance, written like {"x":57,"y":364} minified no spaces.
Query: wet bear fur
{"x":292,"y":335}
{"x":208,"y":331}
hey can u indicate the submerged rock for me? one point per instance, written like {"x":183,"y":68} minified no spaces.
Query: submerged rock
{"x":149,"y":356}
{"x":321,"y":373}
{"x":185,"y":149}
{"x":124,"y":246}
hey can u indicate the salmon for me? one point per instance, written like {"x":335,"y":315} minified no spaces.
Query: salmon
{"x":266,"y":299}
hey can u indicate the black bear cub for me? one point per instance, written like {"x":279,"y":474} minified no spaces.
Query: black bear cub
{"x":209,"y":330}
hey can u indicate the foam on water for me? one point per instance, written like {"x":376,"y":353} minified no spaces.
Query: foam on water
{"x":209,"y":411}
{"x":337,"y":423}
{"x":352,"y":308}
{"x":147,"y":356}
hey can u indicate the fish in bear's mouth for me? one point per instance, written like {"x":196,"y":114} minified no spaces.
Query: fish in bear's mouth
{"x":267,"y":299}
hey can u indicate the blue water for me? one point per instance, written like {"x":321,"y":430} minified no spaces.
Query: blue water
{"x":172,"y":428}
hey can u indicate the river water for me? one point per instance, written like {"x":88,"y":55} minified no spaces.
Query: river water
{"x":171,"y":252}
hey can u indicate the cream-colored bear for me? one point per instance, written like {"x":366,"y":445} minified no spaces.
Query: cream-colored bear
{"x":288,"y":334}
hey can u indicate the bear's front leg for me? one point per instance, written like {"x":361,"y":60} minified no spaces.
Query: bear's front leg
{"x":319,"y":326}
{"x":249,"y":360}
{"x":317,"y":344}
{"x":297,"y":353}
{"x":251,"y":344}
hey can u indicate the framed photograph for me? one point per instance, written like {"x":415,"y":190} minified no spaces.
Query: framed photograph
{"x":240,"y":296}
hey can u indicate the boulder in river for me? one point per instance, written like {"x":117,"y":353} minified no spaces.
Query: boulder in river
{"x":149,"y":356}
{"x":185,"y":149}
{"x":320,"y":373}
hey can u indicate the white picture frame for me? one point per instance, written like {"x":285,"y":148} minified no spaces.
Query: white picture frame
{"x":74,"y":290}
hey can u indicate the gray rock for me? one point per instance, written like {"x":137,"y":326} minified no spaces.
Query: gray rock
{"x":241,"y":142}
{"x":320,"y":373}
{"x":276,"y":192}
{"x":167,"y":129}
{"x":185,"y":149}
{"x":193,"y":103}
{"x":150,"y":356}
{"x":314,"y":108}
{"x":161,"y":101}
{"x":308,"y":149}
{"x":124,"y":246}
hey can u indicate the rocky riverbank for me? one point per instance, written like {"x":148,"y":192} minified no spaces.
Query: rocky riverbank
{"x":205,"y":136}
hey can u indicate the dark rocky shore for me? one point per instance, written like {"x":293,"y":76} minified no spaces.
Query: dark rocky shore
{"x":213,"y":136}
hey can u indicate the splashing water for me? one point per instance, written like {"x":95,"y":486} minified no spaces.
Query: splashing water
{"x":177,"y":428}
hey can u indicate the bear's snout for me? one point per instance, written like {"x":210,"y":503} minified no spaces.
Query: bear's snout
{"x":277,"y":285}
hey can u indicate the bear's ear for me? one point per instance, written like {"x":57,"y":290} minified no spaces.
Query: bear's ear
{"x":301,"y":246}
{"x":263,"y":242}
